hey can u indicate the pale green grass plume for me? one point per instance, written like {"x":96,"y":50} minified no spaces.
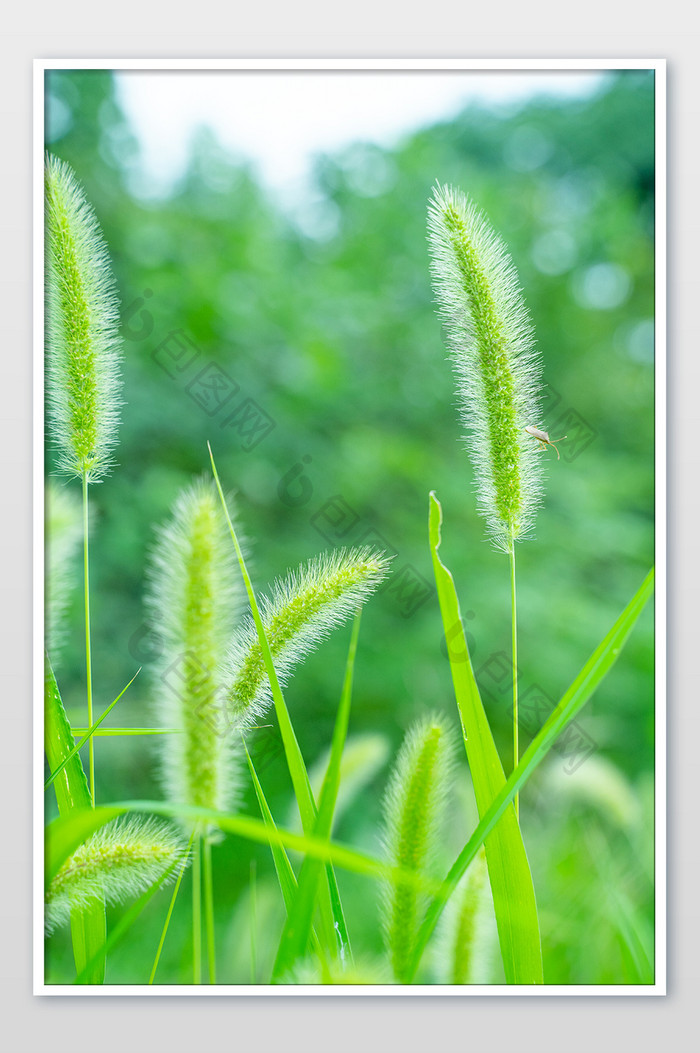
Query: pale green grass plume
{"x":63,"y":535}
{"x":195,"y":598}
{"x":303,"y":610}
{"x":413,"y":813}
{"x":464,"y":941}
{"x":118,"y":862}
{"x":82,"y":341}
{"x":490,"y":339}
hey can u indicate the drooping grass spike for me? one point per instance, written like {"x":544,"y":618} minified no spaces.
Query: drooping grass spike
{"x":195,"y":598}
{"x":491,"y":343}
{"x":118,"y":862}
{"x":413,"y":813}
{"x":303,"y":610}
{"x":82,"y":338}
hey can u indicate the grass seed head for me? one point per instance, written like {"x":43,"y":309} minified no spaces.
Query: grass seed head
{"x":82,"y":340}
{"x":413,"y":813}
{"x":491,"y":343}
{"x":303,"y":610}
{"x":195,"y":598}
{"x":117,"y":863}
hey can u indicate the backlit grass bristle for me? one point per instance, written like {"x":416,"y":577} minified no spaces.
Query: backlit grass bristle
{"x":303,"y":610}
{"x":195,"y":598}
{"x":117,"y":863}
{"x":82,"y":339}
{"x":413,"y":814}
{"x":491,"y":343}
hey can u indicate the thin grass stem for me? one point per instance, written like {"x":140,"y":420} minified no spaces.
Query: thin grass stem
{"x":209,"y":910}
{"x":197,"y":910}
{"x":170,"y":909}
{"x":88,"y":733}
{"x":514,"y":628}
{"x":88,"y":652}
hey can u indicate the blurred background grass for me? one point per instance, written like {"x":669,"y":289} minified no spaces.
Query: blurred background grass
{"x":319,"y":320}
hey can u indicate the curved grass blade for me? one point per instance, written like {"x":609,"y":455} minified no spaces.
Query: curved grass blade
{"x":571,"y":702}
{"x":64,"y":834}
{"x":295,"y":935}
{"x":88,"y":734}
{"x":285,"y":873}
{"x":332,"y":917}
{"x":509,"y":870}
{"x":89,"y":926}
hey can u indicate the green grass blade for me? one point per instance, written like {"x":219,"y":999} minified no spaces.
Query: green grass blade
{"x":295,"y":935}
{"x":171,"y":908}
{"x":285,"y":873}
{"x":576,"y":696}
{"x":508,"y":867}
{"x":121,"y":732}
{"x":64,"y":834}
{"x":332,"y":918}
{"x":88,"y":927}
{"x":88,"y":734}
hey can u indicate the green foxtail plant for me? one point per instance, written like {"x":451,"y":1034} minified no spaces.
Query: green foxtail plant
{"x":195,"y":599}
{"x":82,"y":355}
{"x":413,"y":808}
{"x":116,"y":863}
{"x":490,"y":339}
{"x":302,"y":610}
{"x":491,"y":343}
{"x":82,"y":339}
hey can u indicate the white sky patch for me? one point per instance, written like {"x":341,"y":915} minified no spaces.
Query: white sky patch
{"x":281,"y":120}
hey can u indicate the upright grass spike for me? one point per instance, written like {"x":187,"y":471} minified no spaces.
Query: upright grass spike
{"x":413,"y":812}
{"x":491,"y":344}
{"x":116,"y":863}
{"x":82,"y":355}
{"x":303,"y":610}
{"x":461,"y":941}
{"x":82,"y":340}
{"x":194,"y":598}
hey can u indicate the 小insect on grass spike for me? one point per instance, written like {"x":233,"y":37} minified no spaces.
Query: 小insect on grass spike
{"x":491,"y":343}
{"x":82,"y":354}
{"x":543,"y":438}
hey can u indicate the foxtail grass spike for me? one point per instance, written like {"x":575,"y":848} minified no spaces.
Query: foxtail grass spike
{"x":413,"y":813}
{"x":118,"y":862}
{"x":461,"y":941}
{"x":195,"y":598}
{"x":491,"y":343}
{"x":82,"y":340}
{"x":303,"y":610}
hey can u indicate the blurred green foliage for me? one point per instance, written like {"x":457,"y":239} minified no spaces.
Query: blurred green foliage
{"x":324,"y":319}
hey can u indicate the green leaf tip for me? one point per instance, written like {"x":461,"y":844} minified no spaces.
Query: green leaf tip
{"x":491,"y":344}
{"x":81,"y":331}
